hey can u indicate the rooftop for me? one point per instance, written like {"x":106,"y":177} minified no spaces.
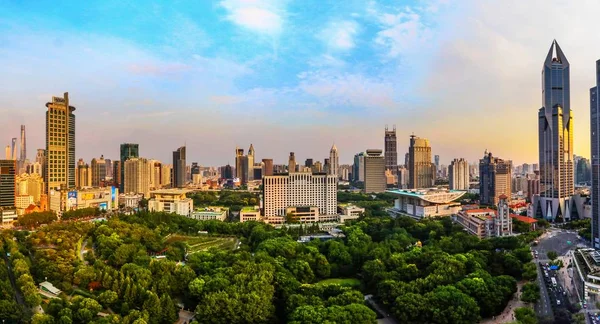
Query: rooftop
{"x":170,"y":191}
{"x":480,"y":210}
{"x":249,"y":208}
{"x":433,"y":195}
{"x":525,"y":219}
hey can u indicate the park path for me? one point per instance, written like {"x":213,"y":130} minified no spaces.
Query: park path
{"x":508,"y":314}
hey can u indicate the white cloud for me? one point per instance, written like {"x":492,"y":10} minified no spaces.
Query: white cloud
{"x":260,"y":16}
{"x":340,"y":35}
{"x":402,"y":32}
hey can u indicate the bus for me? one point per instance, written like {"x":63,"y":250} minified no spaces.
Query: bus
{"x":553,"y":281}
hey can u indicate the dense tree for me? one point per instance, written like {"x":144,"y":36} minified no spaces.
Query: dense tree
{"x":552,"y":255}
{"x":530,"y":292}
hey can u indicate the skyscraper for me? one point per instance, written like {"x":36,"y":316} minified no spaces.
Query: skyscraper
{"x":334,"y":162}
{"x":555,"y":131}
{"x":595,"y":140}
{"x":358,"y":168}
{"x":23,"y":156}
{"x":179,"y":168}
{"x":421,"y":171}
{"x":137,"y":176}
{"x":127,"y":151}
{"x":84,"y":175}
{"x":436,"y":161}
{"x":60,"y":144}
{"x":268,"y":167}
{"x":374,"y":164}
{"x":7,"y":183}
{"x":391,"y":152}
{"x":250,"y":162}
{"x":495,"y":179}
{"x":13,"y":149}
{"x":292,"y":162}
{"x":98,"y":171}
{"x":458,"y":175}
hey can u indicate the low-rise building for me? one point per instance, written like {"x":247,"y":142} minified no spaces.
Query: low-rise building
{"x":486,"y":222}
{"x":250,"y":213}
{"x":422,"y":203}
{"x":171,"y":201}
{"x":49,"y":288}
{"x":210,"y":213}
{"x":105,"y":198}
{"x":529,"y":220}
{"x":8,"y":216}
{"x":586,"y":274}
{"x":347,"y":212}
{"x":22,"y":202}
{"x":130,"y":200}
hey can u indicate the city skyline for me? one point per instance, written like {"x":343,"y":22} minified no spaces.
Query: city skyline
{"x":367,"y":65}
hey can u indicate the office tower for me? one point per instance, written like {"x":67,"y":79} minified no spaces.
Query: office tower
{"x":60,"y":144}
{"x":7,"y":152}
{"x":391,"y":152}
{"x":137,"y":176}
{"x":436,"y":160}
{"x":334,"y":161}
{"x":126,"y":151}
{"x":179,"y":167}
{"x":358,"y":168}
{"x":30,"y":185}
{"x":8,"y":172}
{"x":226,"y":172}
{"x":533,"y":188}
{"x":166,"y":171}
{"x":195,"y":168}
{"x":495,"y":179}
{"x":555,"y":131}
{"x":13,"y":149}
{"x":257,"y":171}
{"x":292,"y":162}
{"x":374,"y":163}
{"x":155,"y":174}
{"x":239,"y":162}
{"x":308,"y":163}
{"x":421,"y":171}
{"x":117,"y":179}
{"x":326,"y":166}
{"x":250,"y":162}
{"x":109,"y":168}
{"x":268,"y":167}
{"x":317,"y":167}
{"x":458,"y":175}
{"x":98,"y":171}
{"x":23,"y":145}
{"x":402,"y":177}
{"x":299,"y":189}
{"x":582,"y":170}
{"x":83,"y":176}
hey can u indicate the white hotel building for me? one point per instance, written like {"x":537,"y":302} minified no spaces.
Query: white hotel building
{"x":300,"y":189}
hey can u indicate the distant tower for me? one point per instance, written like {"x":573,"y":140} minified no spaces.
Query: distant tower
{"x":127,"y":151}
{"x":23,"y":146}
{"x":421,"y":171}
{"x":391,"y":152}
{"x":250,"y":161}
{"x":179,"y":168}
{"x":13,"y":149}
{"x":334,"y":161}
{"x":7,"y":152}
{"x":292,"y":162}
{"x":374,"y":170}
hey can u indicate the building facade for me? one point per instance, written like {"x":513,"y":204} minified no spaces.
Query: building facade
{"x":391,"y":150}
{"x":374,"y":163}
{"x":8,"y":172}
{"x":60,"y":144}
{"x":423,"y":203}
{"x":31,"y":184}
{"x":126,"y":151}
{"x":334,"y":162}
{"x":171,"y":201}
{"x":267,"y":167}
{"x":98,"y":171}
{"x":420,"y":169}
{"x":137,"y":176}
{"x":555,"y":132}
{"x":595,"y":162}
{"x":358,"y":168}
{"x":292,"y":162}
{"x":495,"y":179}
{"x":299,"y":189}
{"x":458,"y":175}
{"x":179,"y":168}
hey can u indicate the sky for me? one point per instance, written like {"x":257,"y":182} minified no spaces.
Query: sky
{"x":290,"y":75}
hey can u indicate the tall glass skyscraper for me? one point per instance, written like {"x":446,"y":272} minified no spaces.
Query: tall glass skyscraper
{"x":179,"y":168}
{"x":555,"y":131}
{"x":595,"y":140}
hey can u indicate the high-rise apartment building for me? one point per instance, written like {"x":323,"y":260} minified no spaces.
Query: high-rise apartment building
{"x":155,"y":174}
{"x":555,"y":131}
{"x":299,"y":189}
{"x":179,"y":167}
{"x":83,"y":176}
{"x":268,"y":167}
{"x":421,"y":171}
{"x":458,"y":175}
{"x":60,"y":144}
{"x":98,"y":171}
{"x":495,"y":179}
{"x":137,"y":176}
{"x":292,"y":163}
{"x":391,"y":150}
{"x":166,"y":174}
{"x":375,"y":180}
{"x":334,"y":162}
{"x":126,"y":151}
{"x":8,"y":172}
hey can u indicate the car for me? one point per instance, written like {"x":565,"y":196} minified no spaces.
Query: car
{"x":558,"y":302}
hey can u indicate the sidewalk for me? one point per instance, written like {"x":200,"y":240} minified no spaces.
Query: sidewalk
{"x":508,"y":314}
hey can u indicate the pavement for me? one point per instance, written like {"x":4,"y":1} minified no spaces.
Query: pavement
{"x":508,"y":314}
{"x":386,"y":319}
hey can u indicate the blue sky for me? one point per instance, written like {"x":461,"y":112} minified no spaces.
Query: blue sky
{"x":290,"y":75}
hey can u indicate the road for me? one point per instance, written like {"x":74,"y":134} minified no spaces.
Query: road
{"x":387,"y":319}
{"x":543,"y":308}
{"x":13,"y":282}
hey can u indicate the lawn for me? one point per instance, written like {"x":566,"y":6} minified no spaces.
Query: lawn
{"x":348,"y":282}
{"x":203,"y":243}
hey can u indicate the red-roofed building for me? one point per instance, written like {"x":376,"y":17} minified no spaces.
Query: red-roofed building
{"x":529,"y":220}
